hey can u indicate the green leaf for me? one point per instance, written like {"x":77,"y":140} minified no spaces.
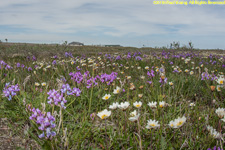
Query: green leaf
{"x":46,"y":146}
{"x":163,"y":143}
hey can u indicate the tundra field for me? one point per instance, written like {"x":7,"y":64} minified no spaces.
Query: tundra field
{"x":62,"y":97}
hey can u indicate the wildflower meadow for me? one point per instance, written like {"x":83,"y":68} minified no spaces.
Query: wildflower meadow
{"x":59,"y":97}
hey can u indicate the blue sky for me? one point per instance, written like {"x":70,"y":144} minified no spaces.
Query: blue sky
{"x":125,"y":22}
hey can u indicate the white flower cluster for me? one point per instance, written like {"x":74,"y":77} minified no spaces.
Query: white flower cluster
{"x":220,"y":112}
{"x":213,"y":132}
{"x":177,"y":123}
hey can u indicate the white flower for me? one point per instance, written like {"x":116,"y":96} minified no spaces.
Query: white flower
{"x":171,"y":124}
{"x":171,"y":83}
{"x":124,"y":105}
{"x":49,"y":66}
{"x":137,"y":104}
{"x":142,"y":77}
{"x":223,"y":119}
{"x":37,"y":84}
{"x":43,"y":84}
{"x":177,"y":123}
{"x":220,"y":80}
{"x":104,"y":114}
{"x":192,"y":104}
{"x":220,"y":112}
{"x":216,"y":134}
{"x":128,"y":77}
{"x":140,"y":95}
{"x":133,"y":113}
{"x":186,"y":70}
{"x":218,"y":88}
{"x":152,"y":124}
{"x":192,"y":72}
{"x":147,"y":67}
{"x":106,"y":97}
{"x":134,"y":116}
{"x":138,"y":68}
{"x":162,"y":104}
{"x":152,"y":104}
{"x":114,"y":106}
{"x":180,"y":121}
{"x":213,"y":132}
{"x":117,"y":90}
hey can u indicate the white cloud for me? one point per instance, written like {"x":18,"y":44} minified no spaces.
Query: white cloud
{"x":111,"y":18}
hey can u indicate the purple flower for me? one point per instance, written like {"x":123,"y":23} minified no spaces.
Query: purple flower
{"x":10,"y":90}
{"x":29,"y":69}
{"x":34,"y":58}
{"x":18,"y":65}
{"x":215,"y":148}
{"x":45,"y":120}
{"x":42,"y":135}
{"x":149,"y":82}
{"x":163,"y":81}
{"x":68,"y":54}
{"x":138,"y":58}
{"x":54,"y":62}
{"x":56,"y":98}
{"x":118,"y":57}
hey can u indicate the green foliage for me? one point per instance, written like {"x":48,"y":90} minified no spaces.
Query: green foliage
{"x":79,"y":131}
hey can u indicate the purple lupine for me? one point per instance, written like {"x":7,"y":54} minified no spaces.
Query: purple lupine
{"x":76,"y":91}
{"x":223,"y":65}
{"x":10,"y":90}
{"x":149,"y":82}
{"x":78,"y":68}
{"x":76,"y":77}
{"x":138,"y":58}
{"x":56,"y":98}
{"x":128,"y":56}
{"x":34,"y":58}
{"x":175,"y":70}
{"x":22,"y":65}
{"x":46,"y":122}
{"x":29,"y":69}
{"x":108,"y":78}
{"x":215,"y":148}
{"x":118,"y":57}
{"x":68,"y":54}
{"x":54,"y":62}
{"x":7,"y":67}
{"x":151,"y":74}
{"x":91,"y":82}
{"x":66,"y":89}
{"x":55,"y":57}
{"x":18,"y":65}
